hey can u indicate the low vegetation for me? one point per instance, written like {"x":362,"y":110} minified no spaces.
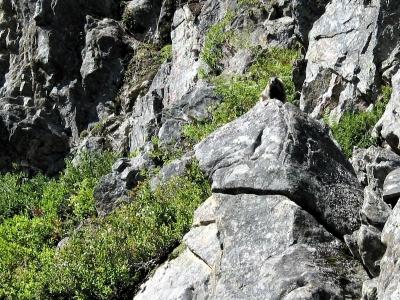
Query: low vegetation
{"x":249,"y":3}
{"x":240,"y":93}
{"x":354,"y":129}
{"x":217,"y":36}
{"x":36,"y":213}
{"x":142,"y":68}
{"x":103,"y":257}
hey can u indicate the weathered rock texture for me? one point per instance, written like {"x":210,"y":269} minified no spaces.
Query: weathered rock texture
{"x":388,"y":126}
{"x":55,"y":55}
{"x":266,"y":231}
{"x":277,"y":149}
{"x":290,"y":217}
{"x":62,"y":69}
{"x":250,"y":247}
{"x":388,"y":282}
{"x":360,"y":41}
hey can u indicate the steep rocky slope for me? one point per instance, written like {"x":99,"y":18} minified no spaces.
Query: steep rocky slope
{"x":154,"y":104}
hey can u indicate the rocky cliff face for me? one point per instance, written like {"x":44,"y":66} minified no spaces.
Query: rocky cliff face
{"x":290,"y":216}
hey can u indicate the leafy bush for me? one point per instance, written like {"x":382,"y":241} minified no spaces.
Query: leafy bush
{"x":241,"y":93}
{"x":18,"y":195}
{"x":107,"y":257}
{"x":36,"y":214}
{"x":354,"y":129}
{"x":166,"y":53}
{"x":216,"y":37}
{"x":163,"y":154}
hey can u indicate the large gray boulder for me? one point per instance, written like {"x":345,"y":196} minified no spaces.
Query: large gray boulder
{"x":284,"y":196}
{"x":389,"y":279}
{"x":388,"y":126}
{"x":277,"y":149}
{"x":256,"y":247}
{"x":346,"y":74}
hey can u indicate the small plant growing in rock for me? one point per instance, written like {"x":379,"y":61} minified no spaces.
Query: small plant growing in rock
{"x":240,"y":93}
{"x":166,"y":53}
{"x":249,"y":3}
{"x":354,"y":129}
{"x":163,"y":154}
{"x":217,"y":36}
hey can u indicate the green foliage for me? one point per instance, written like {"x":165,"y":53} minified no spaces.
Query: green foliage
{"x":17,"y":197}
{"x":107,"y":257}
{"x":98,"y":128}
{"x":166,"y":53}
{"x":163,"y":154}
{"x":249,"y":3}
{"x":354,"y":129}
{"x":36,"y":213}
{"x":217,"y":36}
{"x":241,"y":93}
{"x":134,"y":153}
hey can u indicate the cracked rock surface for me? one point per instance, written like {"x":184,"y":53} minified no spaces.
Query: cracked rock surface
{"x":249,"y":246}
{"x":360,"y":41}
{"x":270,"y":228}
{"x":277,"y":149}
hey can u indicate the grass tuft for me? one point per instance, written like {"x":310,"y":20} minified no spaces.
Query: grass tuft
{"x":240,"y":93}
{"x":354,"y":129}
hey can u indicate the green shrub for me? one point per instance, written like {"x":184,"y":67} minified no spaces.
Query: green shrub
{"x":166,"y":53}
{"x":36,"y":213}
{"x":354,"y":129}
{"x":217,"y":36}
{"x":241,"y":93}
{"x":19,"y":195}
{"x":249,"y":3}
{"x":163,"y":154}
{"x":108,"y":256}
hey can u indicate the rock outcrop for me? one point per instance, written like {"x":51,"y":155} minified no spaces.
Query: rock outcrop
{"x":388,"y":282}
{"x":360,"y":41}
{"x":249,"y":247}
{"x":284,"y":196}
{"x":388,"y":125}
{"x":55,"y":56}
{"x":290,"y":216}
{"x":277,"y":149}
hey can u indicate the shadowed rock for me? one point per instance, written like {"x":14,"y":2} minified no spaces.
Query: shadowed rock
{"x":277,"y":149}
{"x":250,"y":247}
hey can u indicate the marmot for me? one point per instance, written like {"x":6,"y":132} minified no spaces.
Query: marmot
{"x":274,"y":90}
